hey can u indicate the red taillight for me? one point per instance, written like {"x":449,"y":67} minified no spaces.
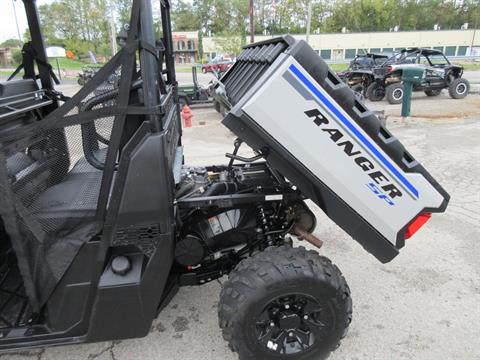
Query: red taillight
{"x":389,"y":68}
{"x":416,"y":224}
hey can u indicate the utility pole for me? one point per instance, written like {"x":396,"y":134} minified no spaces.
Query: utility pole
{"x":113,"y":35}
{"x":252,"y":25}
{"x":309,"y":20}
{"x":16,"y":20}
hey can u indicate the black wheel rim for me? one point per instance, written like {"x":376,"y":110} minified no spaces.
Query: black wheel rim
{"x":397,"y":94}
{"x":461,"y":89}
{"x":293,"y":324}
{"x":379,"y":92}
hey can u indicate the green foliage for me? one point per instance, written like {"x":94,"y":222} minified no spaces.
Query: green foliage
{"x":290,"y":16}
{"x":11,"y":43}
{"x":184,"y":18}
{"x":230,"y":42}
{"x":80,"y":25}
{"x":17,"y":56}
{"x":83,"y":25}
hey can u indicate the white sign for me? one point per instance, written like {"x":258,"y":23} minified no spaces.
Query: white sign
{"x":56,"y":52}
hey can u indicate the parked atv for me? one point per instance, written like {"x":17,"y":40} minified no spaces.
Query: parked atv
{"x":359,"y":74}
{"x":438,"y":74}
{"x":192,"y":94}
{"x":88,"y":72}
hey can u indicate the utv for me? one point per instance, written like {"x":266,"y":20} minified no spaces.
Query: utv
{"x":438,"y":74}
{"x":359,"y":74}
{"x":193,"y":94}
{"x":102,"y":222}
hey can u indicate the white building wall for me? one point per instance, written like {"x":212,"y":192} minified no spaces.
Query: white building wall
{"x":339,"y":43}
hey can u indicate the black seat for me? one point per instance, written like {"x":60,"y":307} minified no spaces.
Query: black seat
{"x":73,"y":200}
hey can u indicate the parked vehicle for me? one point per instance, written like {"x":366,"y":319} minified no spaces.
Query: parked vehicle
{"x":359,"y":74}
{"x":218,"y":65}
{"x":191,"y":94}
{"x":438,"y":74}
{"x":88,"y":72}
{"x":101,"y":221}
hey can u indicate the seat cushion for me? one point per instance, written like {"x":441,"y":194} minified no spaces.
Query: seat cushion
{"x":73,"y":200}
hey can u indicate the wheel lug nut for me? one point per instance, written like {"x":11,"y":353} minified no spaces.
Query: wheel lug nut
{"x":305,"y":317}
{"x":272,"y":324}
{"x":290,"y":334}
{"x":287,"y":306}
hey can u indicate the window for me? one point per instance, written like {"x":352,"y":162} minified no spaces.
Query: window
{"x":375,"y":50}
{"x":439,"y":48}
{"x":438,"y":60}
{"x":423,"y":60}
{"x":410,"y":58}
{"x":399,"y":49}
{"x":388,"y":50}
{"x":191,"y":45}
{"x":181,"y":45}
{"x":326,"y":54}
{"x":450,"y":50}
{"x":362,"y":51}
{"x":462,"y":50}
{"x":350,"y":53}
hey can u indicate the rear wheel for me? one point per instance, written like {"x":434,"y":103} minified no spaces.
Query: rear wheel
{"x":459,"y":88}
{"x":395,"y":93}
{"x":433,"y":92}
{"x":285,"y":302}
{"x":375,"y":92}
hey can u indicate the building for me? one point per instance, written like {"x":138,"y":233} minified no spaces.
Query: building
{"x":185,"y":46}
{"x":344,"y":46}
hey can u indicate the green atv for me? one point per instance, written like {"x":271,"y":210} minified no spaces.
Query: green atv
{"x":193,"y":94}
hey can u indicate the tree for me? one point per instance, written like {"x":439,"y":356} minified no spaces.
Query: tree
{"x":184,"y":18}
{"x":17,"y":57}
{"x":230,"y":43}
{"x":12,"y":43}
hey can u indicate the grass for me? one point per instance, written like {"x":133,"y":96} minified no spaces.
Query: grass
{"x":338,"y":67}
{"x":471,"y":66}
{"x":68,"y":64}
{"x":184,"y":69}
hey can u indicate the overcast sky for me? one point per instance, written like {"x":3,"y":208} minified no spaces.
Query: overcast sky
{"x":8,"y":28}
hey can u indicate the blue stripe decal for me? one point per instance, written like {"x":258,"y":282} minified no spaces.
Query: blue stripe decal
{"x":354,"y":131}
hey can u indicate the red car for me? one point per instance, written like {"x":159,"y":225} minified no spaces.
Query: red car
{"x":217,"y":66}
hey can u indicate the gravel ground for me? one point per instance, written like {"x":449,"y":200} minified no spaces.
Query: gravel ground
{"x":424,"y":305}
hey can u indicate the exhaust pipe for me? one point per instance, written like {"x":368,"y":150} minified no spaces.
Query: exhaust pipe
{"x":302,"y":234}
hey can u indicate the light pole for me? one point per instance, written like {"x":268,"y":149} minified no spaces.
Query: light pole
{"x":113,"y":37}
{"x":16,"y":20}
{"x":252,"y":25}
{"x":309,"y":19}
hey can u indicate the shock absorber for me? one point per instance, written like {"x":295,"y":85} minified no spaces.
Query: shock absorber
{"x":264,"y":225}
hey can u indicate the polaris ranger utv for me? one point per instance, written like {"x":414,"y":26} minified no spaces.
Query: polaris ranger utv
{"x":101,"y":221}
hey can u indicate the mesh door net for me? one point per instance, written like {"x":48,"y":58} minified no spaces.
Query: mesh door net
{"x":49,"y":189}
